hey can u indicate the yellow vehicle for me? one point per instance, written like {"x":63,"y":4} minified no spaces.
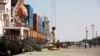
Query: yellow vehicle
{"x":52,"y":45}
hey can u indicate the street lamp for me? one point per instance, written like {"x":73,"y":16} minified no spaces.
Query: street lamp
{"x":92,"y":30}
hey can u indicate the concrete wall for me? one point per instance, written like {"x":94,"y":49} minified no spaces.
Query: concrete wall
{"x":8,"y":7}
{"x":1,"y":25}
{"x":5,"y":9}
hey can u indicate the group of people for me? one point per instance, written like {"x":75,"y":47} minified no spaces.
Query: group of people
{"x":61,"y":45}
{"x":86,"y":45}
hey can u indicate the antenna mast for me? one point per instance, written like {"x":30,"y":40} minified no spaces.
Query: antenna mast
{"x":53,"y":8}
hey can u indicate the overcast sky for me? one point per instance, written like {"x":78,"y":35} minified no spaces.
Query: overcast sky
{"x":72,"y":16}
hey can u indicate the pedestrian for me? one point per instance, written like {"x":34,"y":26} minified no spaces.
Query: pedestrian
{"x":58,"y":44}
{"x":85,"y":46}
{"x":67,"y":46}
{"x":89,"y":45}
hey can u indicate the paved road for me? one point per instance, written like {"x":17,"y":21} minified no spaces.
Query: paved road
{"x":65,"y":52}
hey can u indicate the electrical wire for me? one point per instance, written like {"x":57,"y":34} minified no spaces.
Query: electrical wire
{"x":53,"y":12}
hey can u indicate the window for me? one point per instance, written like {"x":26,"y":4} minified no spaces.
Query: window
{"x":2,"y":8}
{"x":6,"y":9}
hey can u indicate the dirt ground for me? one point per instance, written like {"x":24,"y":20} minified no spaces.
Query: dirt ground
{"x":65,"y":52}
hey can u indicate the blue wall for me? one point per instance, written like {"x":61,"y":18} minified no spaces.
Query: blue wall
{"x":29,"y":19}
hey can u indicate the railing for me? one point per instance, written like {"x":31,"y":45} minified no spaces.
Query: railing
{"x":16,"y":23}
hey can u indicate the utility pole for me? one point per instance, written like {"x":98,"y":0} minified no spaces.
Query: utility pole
{"x":92,"y":30}
{"x":96,"y":34}
{"x":86,"y":33}
{"x":86,"y":38}
{"x":94,"y":43}
{"x":96,"y":39}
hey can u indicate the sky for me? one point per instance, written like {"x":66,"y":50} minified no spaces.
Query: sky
{"x":71,"y":17}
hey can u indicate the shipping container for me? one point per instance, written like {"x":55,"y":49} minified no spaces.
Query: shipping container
{"x":29,"y":19}
{"x":46,"y":24}
{"x":43,"y":24}
{"x":41,"y":29}
{"x":37,"y":22}
{"x":30,"y":23}
{"x":39,"y":37}
{"x":30,"y":11}
{"x":40,"y":20}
